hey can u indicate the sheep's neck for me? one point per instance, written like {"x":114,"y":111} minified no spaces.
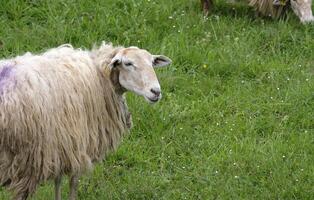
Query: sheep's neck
{"x":127,"y":113}
{"x":114,"y":78}
{"x":119,"y":91}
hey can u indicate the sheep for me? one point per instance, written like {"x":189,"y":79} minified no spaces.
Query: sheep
{"x":62,"y":111}
{"x":275,"y":8}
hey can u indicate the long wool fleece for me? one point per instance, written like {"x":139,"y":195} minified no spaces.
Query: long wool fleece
{"x":59,"y":113}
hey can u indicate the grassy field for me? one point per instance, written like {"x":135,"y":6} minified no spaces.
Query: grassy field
{"x":237,"y":116}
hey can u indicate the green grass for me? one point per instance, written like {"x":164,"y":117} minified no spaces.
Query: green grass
{"x":237,"y":117}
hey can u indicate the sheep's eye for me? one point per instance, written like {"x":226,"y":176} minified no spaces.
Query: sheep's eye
{"x":128,"y":64}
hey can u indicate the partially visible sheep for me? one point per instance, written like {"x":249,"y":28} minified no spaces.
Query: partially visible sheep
{"x":64,"y":110}
{"x":275,"y":8}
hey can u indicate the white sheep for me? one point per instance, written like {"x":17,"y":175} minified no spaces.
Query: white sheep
{"x":64,"y":110}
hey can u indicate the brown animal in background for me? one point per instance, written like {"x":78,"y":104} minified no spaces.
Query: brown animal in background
{"x":274,"y":8}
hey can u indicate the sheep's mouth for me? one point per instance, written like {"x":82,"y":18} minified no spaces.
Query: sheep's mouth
{"x":152,"y":100}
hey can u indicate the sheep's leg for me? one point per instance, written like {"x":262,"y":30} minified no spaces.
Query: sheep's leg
{"x":58,"y":181}
{"x":21,"y":196}
{"x":6,"y":183}
{"x":73,"y":187}
{"x":207,"y":5}
{"x":23,"y":191}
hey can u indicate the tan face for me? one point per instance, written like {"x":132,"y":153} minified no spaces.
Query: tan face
{"x":136,"y":72}
{"x":302,"y":8}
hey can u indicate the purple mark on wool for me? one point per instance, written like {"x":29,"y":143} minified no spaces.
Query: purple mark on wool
{"x":5,"y":72}
{"x":5,"y":76}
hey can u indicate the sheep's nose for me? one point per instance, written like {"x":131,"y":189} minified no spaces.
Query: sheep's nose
{"x":155,"y":91}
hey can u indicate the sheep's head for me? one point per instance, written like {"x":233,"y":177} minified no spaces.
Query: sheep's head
{"x":302,"y":8}
{"x":133,"y":69}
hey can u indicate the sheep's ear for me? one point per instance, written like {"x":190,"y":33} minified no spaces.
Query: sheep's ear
{"x":115,"y":62}
{"x":161,"y":61}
